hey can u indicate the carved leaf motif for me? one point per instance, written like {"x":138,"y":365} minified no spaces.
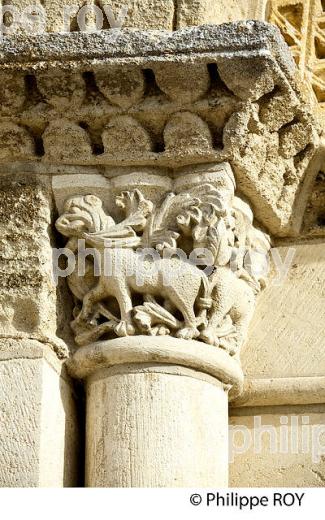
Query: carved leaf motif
{"x":219,"y":243}
{"x":154,"y":319}
{"x":179,"y":213}
{"x":136,"y":208}
{"x":157,"y":233}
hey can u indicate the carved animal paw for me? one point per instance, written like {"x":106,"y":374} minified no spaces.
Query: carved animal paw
{"x":83,"y":318}
{"x":209,"y":337}
{"x":230,"y":346}
{"x":124,"y":328}
{"x":188,"y":333}
{"x":160,"y":330}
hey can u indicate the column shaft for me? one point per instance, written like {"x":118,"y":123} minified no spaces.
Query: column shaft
{"x":156,"y":426}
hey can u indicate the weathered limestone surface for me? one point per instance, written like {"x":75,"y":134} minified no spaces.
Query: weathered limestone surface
{"x":77,"y":15}
{"x":250,"y":36}
{"x":28,"y":304}
{"x":57,"y":19}
{"x":291,"y":455}
{"x":38,"y":428}
{"x":289,"y":341}
{"x":26,"y":255}
{"x":145,"y":14}
{"x":301,"y":23}
{"x":37,"y":17}
{"x":198,"y":12}
{"x":148,"y":14}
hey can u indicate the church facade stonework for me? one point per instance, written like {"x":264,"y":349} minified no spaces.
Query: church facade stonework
{"x":162,"y":249}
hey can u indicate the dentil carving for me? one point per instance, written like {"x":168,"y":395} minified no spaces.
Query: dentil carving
{"x":189,"y":266}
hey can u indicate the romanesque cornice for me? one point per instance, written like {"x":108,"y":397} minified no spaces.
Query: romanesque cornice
{"x":252,"y":38}
{"x":206,"y":94}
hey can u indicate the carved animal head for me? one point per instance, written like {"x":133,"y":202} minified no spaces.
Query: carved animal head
{"x":83,"y":214}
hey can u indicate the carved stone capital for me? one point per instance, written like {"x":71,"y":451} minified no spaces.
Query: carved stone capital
{"x":187,"y":265}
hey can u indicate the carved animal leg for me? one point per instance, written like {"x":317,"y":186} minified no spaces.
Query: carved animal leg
{"x":190,"y":330}
{"x":221,"y":298}
{"x":123,"y":296}
{"x":94,"y":296}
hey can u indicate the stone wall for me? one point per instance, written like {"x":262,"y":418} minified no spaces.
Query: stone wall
{"x":286,"y":442}
{"x":38,"y":406}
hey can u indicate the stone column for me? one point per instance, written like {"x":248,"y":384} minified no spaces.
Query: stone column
{"x":157,"y":412}
{"x":157,"y":397}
